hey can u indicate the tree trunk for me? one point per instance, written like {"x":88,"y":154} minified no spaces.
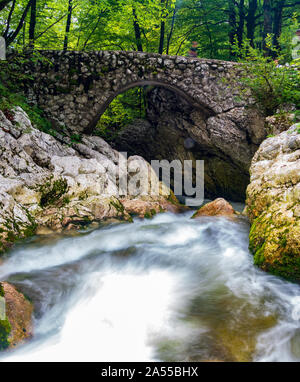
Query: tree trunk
{"x":232,"y":24}
{"x":68,"y":25}
{"x":9,"y":19}
{"x":267,"y":9}
{"x":3,"y":3}
{"x":32,"y":23}
{"x":11,"y":37}
{"x":162,"y":30}
{"x":137,"y":31}
{"x":250,"y":19}
{"x":240,"y":29}
{"x":277,"y":26}
{"x":171,"y":30}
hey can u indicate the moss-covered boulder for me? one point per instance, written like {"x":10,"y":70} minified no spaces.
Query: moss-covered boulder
{"x":273,"y":204}
{"x":218,"y":207}
{"x":15,"y":317}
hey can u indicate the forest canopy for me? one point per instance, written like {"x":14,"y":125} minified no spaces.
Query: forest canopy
{"x":263,"y":33}
{"x":162,"y":26}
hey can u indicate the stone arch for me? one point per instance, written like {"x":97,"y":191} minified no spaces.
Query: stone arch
{"x":74,"y":89}
{"x":205,"y":109}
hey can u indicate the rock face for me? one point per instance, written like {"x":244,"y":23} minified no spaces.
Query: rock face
{"x":273,"y":204}
{"x":17,"y":327}
{"x":45,"y":183}
{"x":219,"y":207}
{"x":174,"y":129}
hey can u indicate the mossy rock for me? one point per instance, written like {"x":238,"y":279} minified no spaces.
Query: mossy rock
{"x":5,"y":329}
{"x":17,"y":326}
{"x":52,"y":190}
{"x":274,"y":241}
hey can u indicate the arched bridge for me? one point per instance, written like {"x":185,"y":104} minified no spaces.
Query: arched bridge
{"x":75,"y":88}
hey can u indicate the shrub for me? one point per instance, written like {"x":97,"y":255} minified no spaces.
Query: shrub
{"x":272,"y":82}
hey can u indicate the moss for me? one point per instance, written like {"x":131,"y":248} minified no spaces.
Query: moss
{"x":76,"y":138}
{"x":104,"y":69}
{"x":150,"y":214}
{"x":259,"y":257}
{"x":273,"y":240}
{"x":118,"y":206}
{"x":10,"y":98}
{"x":83,"y":195}
{"x":1,"y":290}
{"x":120,"y":209}
{"x":63,"y":90}
{"x":14,"y":230}
{"x":5,"y":329}
{"x":172,"y":198}
{"x":52,"y":190}
{"x":66,"y":200}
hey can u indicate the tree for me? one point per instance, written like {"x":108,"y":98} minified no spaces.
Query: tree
{"x":137,"y":31}
{"x":162,"y":27}
{"x":240,"y":28}
{"x":251,"y":21}
{"x":4,"y":3}
{"x":32,"y":23}
{"x":13,"y":34}
{"x":68,"y":25}
{"x":232,"y":23}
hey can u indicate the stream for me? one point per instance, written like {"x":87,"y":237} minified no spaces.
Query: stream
{"x":166,"y":289}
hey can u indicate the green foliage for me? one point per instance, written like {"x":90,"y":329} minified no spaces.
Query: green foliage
{"x":11,"y":86}
{"x":123,"y":110}
{"x":1,"y":290}
{"x":287,"y":39}
{"x":5,"y":329}
{"x":272,"y":83}
{"x":75,"y":138}
{"x":52,"y":190}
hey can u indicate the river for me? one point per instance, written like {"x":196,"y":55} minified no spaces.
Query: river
{"x":169,"y":289}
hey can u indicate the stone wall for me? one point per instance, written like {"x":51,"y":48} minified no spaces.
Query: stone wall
{"x":75,"y":88}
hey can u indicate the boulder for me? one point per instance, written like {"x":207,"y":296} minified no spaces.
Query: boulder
{"x":46,"y":184}
{"x":219,"y":207}
{"x":148,"y":208}
{"x":17,"y":325}
{"x":273,"y":204}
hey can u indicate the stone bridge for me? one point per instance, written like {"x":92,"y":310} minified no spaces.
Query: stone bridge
{"x":75,"y":88}
{"x":189,"y":98}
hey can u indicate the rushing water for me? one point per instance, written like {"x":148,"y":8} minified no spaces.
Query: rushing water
{"x":170,"y":289}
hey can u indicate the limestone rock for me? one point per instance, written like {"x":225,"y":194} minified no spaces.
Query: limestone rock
{"x":19,"y":315}
{"x":147,"y":208}
{"x":45,"y":183}
{"x":175,"y":130}
{"x":273,"y":204}
{"x":219,"y":207}
{"x":278,"y":123}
